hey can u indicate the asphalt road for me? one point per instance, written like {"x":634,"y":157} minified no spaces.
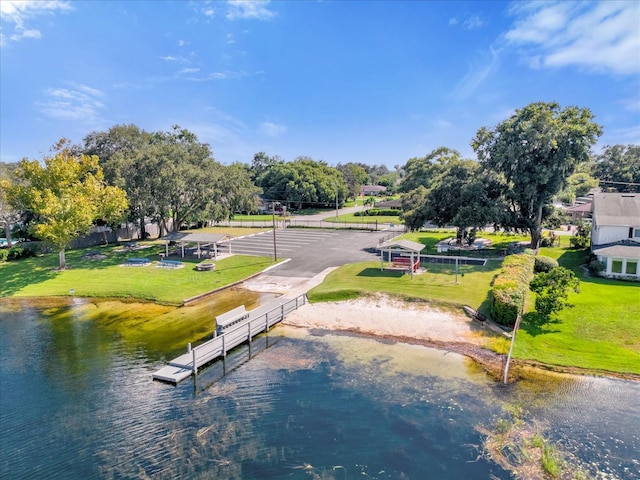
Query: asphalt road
{"x":311,"y":250}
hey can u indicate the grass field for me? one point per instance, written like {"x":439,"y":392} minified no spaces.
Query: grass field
{"x":38,"y":277}
{"x":437,"y":284}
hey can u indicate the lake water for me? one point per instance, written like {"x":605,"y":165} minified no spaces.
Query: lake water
{"x":77,"y":401}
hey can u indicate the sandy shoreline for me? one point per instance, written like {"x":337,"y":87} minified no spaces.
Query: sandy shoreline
{"x":381,"y":316}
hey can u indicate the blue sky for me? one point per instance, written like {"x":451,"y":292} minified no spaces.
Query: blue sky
{"x":374,"y":82}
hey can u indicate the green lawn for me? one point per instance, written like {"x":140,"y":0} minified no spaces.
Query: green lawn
{"x":601,"y":331}
{"x":437,"y":284}
{"x":38,"y":277}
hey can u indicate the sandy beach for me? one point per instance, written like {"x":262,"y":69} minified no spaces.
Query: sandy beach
{"x":384,"y":316}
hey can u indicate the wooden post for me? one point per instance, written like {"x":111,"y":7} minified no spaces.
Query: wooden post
{"x":193,"y":357}
{"x":249,"y":335}
{"x":224,"y":357}
{"x":513,"y":340}
{"x":266,"y":326}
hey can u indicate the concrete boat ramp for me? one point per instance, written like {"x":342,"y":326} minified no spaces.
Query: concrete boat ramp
{"x":259,"y":320}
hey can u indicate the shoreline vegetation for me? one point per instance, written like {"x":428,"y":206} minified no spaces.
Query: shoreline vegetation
{"x":594,"y":337}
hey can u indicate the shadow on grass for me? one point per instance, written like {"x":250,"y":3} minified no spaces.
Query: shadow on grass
{"x":18,"y":274}
{"x":536,"y":324}
{"x":377,"y":273}
{"x":574,"y":259}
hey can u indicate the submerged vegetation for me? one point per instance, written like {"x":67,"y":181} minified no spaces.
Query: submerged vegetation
{"x":520,"y":446}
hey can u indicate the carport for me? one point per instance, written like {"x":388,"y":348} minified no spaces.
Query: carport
{"x":206,"y":243}
{"x":405,"y":248}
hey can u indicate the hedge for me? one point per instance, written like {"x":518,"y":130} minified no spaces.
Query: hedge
{"x":374,"y":212}
{"x":510,"y":288}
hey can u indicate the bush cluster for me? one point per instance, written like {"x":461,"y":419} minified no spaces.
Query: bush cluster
{"x":510,"y":288}
{"x":15,"y":253}
{"x":544,"y":264}
{"x":596,"y":267}
{"x":374,"y":212}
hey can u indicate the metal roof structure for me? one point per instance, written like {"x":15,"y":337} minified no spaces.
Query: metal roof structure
{"x":406,"y":245}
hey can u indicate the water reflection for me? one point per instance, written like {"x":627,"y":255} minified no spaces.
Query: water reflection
{"x":78,"y":402}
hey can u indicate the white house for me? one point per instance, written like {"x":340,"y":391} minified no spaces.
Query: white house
{"x":615,"y":233}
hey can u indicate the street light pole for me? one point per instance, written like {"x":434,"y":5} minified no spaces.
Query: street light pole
{"x":273,"y":218}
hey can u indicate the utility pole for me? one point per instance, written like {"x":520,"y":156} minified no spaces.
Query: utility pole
{"x":273,"y":217}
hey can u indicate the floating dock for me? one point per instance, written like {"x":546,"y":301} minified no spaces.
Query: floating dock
{"x":260,"y":320}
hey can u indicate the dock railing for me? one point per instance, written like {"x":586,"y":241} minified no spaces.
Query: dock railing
{"x":260,"y":320}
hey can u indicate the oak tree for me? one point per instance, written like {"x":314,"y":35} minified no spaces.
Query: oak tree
{"x":535,"y":150}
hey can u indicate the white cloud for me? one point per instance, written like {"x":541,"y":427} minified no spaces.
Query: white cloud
{"x":185,"y":71}
{"x":270,"y":129}
{"x":598,"y":36}
{"x":182,"y":43}
{"x":79,"y":102}
{"x":249,"y":9}
{"x":473,"y":22}
{"x":478,"y":72}
{"x":469,"y":24}
{"x":632,"y":104}
{"x":16,"y":14}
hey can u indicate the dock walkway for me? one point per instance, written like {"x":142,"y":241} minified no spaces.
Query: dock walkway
{"x":260,"y":320}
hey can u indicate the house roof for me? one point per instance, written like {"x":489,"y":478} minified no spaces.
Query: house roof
{"x":374,"y":188}
{"x":583,"y":207}
{"x":616,"y":209}
{"x":390,"y":204}
{"x":625,"y":248}
{"x":402,"y":245}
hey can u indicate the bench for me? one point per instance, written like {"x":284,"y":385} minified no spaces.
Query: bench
{"x":170,"y":264}
{"x":404,"y":263}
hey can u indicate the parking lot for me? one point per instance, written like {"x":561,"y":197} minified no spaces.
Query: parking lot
{"x":311,"y":250}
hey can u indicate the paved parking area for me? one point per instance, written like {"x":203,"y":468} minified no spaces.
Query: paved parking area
{"x":311,"y":250}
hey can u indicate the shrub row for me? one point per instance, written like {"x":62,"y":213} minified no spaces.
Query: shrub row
{"x":510,"y":288}
{"x":373,"y":212}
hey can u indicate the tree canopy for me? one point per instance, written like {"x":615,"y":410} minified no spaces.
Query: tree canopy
{"x":618,"y":167}
{"x":67,"y":195}
{"x":535,"y":150}
{"x":304,"y":181}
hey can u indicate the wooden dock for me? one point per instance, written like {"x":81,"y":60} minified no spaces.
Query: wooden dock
{"x":260,"y":320}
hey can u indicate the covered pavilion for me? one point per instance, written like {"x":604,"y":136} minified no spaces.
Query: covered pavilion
{"x":206,"y":243}
{"x":405,"y":249}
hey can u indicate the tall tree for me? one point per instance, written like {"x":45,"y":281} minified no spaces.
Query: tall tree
{"x":424,"y":170}
{"x":304,"y":181}
{"x":535,"y":150}
{"x":9,"y":214}
{"x":67,"y":194}
{"x":355,"y":176}
{"x":618,"y":167}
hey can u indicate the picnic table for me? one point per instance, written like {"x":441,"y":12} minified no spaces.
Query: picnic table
{"x":137,"y":262}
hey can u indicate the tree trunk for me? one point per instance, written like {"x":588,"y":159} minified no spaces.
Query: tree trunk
{"x":142,"y":230}
{"x":7,"y":233}
{"x":63,"y":260}
{"x":536,"y":230}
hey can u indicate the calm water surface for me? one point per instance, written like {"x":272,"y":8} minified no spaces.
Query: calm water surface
{"x":77,"y":401}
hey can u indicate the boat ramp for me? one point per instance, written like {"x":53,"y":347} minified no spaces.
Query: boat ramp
{"x":257,"y":321}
